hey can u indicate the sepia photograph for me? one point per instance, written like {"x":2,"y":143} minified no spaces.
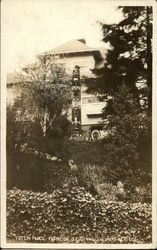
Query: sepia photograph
{"x":77,"y":113}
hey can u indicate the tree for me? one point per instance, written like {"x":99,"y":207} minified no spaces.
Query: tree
{"x":128,"y":61}
{"x":21,"y":128}
{"x":129,"y":58}
{"x":45,"y":93}
{"x":12,"y":128}
{"x":141,"y":43}
{"x":128,"y":127}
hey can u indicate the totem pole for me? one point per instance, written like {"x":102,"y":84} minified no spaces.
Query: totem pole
{"x":76,"y":102}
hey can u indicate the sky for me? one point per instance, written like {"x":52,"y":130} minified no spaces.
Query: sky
{"x":30,"y":27}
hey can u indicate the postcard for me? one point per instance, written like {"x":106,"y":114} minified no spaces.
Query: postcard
{"x":78,"y":124}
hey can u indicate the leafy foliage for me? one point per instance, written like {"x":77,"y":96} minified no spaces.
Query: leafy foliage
{"x":72,"y":215}
{"x":86,"y":152}
{"x":20,"y":131}
{"x":45,"y":92}
{"x":128,"y":61}
{"x":96,"y":164}
{"x":129,"y":58}
{"x":30,"y":171}
{"x":138,"y":25}
{"x":107,"y":191}
{"x":127,"y":125}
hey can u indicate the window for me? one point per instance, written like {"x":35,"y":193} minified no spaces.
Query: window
{"x":91,"y":99}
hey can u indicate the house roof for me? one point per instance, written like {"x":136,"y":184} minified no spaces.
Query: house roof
{"x":74,"y":46}
{"x":12,"y":78}
{"x":71,"y":46}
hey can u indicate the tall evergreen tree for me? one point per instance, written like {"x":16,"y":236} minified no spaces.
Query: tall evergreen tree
{"x":128,"y":61}
{"x":129,"y":58}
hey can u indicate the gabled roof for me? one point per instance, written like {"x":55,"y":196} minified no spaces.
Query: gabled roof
{"x":74,"y":46}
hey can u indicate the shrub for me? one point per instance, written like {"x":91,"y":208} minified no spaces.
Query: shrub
{"x":107,"y":191}
{"x":61,"y":213}
{"x":28,"y":171}
{"x":72,"y":215}
{"x":128,"y":146}
{"x":93,"y":173}
{"x":142,"y":194}
{"x":83,"y":152}
{"x":41,"y":174}
{"x":102,"y":160}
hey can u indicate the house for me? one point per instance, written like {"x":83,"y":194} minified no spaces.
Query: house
{"x":12,"y":91}
{"x":78,"y":60}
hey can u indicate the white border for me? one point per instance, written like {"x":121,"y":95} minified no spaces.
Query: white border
{"x":3,"y":143}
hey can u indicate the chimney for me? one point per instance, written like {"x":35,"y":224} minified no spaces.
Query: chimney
{"x":82,"y":41}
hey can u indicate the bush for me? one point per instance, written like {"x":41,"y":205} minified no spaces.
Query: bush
{"x":82,"y":152}
{"x":72,"y":215}
{"x":142,"y":194}
{"x":129,"y":145}
{"x":120,"y":192}
{"x":31,"y":172}
{"x":94,"y":173}
{"x":101,"y":160}
{"x":28,"y":171}
{"x":107,"y":191}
